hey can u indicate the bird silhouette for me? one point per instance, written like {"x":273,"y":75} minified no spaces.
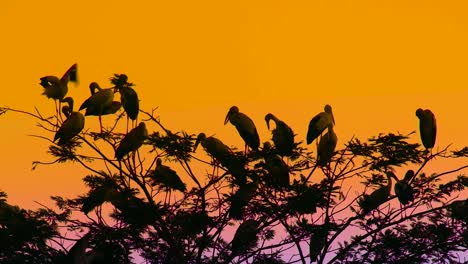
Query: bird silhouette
{"x":128,"y":95}
{"x":278,"y":171}
{"x":245,"y":126}
{"x":167,"y":177}
{"x":107,"y":110}
{"x":241,"y":198}
{"x":72,"y":126}
{"x":245,"y":237}
{"x":318,"y":239}
{"x":223,"y":155}
{"x":283,"y":136}
{"x":99,"y":101}
{"x":319,"y":123}
{"x":403,"y":190}
{"x":56,"y":88}
{"x":372,"y":201}
{"x":132,"y":141}
{"x":326,"y":146}
{"x":427,"y":127}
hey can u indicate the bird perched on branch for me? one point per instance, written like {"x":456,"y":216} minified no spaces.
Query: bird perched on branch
{"x":128,"y":96}
{"x":245,"y":126}
{"x":427,"y":127}
{"x":283,"y":136}
{"x":222,"y":154}
{"x":56,"y":88}
{"x":241,"y":198}
{"x":326,"y":146}
{"x":167,"y":177}
{"x":107,"y":110}
{"x":245,"y":237}
{"x":278,"y":171}
{"x":99,"y":101}
{"x":372,"y":201}
{"x":319,"y":123}
{"x":72,"y":126}
{"x":132,"y":141}
{"x":403,"y":189}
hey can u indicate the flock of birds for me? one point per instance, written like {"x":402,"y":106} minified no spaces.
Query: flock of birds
{"x":101,"y":102}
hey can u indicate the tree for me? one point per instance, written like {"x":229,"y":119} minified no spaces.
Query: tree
{"x":137,"y":208}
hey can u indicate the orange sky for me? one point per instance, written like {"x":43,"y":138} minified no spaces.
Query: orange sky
{"x":375,"y":62}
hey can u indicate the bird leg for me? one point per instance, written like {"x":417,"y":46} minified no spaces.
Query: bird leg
{"x":100,"y":122}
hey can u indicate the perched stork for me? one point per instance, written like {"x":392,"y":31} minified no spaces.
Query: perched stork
{"x":56,"y":88}
{"x":222,"y":154}
{"x":278,"y":170}
{"x":459,"y":210}
{"x":372,"y":201}
{"x":245,"y":126}
{"x":132,"y":141}
{"x":403,"y":190}
{"x":167,"y":177}
{"x":326,"y":146}
{"x":427,"y":127}
{"x":283,"y":136}
{"x":245,"y":237}
{"x":318,"y":239}
{"x":319,"y":123}
{"x":99,"y":101}
{"x":241,"y":198}
{"x":108,"y":110}
{"x":128,"y":96}
{"x":72,"y":126}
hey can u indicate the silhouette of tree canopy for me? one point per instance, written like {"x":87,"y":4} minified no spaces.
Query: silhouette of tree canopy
{"x":164,"y":201}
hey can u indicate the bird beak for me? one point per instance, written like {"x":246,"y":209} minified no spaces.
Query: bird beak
{"x":268,"y":124}
{"x":333,"y":119}
{"x":227,"y":118}
{"x":196,"y":144}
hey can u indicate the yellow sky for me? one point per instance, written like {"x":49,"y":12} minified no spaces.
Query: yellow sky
{"x":375,"y":62}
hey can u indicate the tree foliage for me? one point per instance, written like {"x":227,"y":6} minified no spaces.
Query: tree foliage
{"x":235,"y":210}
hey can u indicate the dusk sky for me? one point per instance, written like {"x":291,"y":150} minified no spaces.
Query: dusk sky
{"x":375,"y":62}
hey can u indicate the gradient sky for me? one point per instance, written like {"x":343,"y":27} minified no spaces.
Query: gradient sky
{"x":375,"y":62}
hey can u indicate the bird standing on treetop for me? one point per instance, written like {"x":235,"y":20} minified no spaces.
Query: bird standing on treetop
{"x":245,"y":126}
{"x":72,"y":126}
{"x":427,"y":127}
{"x":99,"y":101}
{"x":110,"y":109}
{"x":56,"y":88}
{"x":283,"y":136}
{"x":132,"y":141}
{"x":167,"y":177}
{"x":222,"y":154}
{"x":376,"y":198}
{"x":128,"y":96}
{"x":319,"y":123}
{"x":403,"y":190}
{"x":215,"y":148}
{"x":326,"y":146}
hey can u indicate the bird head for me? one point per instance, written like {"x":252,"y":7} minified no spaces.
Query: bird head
{"x":66,"y":110}
{"x":201,"y":136}
{"x":68,"y":100}
{"x":143,"y":132}
{"x":268,"y":117}
{"x":408,"y":176}
{"x":158,"y":162}
{"x":419,"y":113}
{"x":232,"y":111}
{"x":328,"y":109}
{"x":93,"y":86}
